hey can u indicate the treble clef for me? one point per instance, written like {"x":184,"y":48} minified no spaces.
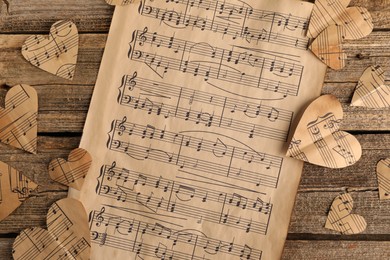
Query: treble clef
{"x":142,"y":38}
{"x":99,"y":217}
{"x":121,"y":126}
{"x":111,"y":172}
{"x":131,"y":83}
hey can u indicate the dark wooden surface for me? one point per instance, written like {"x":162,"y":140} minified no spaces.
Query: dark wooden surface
{"x":63,"y":106}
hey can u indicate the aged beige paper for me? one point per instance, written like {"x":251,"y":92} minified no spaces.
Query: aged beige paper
{"x":55,"y":53}
{"x":72,"y":172}
{"x":340,"y":218}
{"x":66,"y":237}
{"x":318,"y":138}
{"x":188,"y":128}
{"x":383,"y":174}
{"x":14,"y":189}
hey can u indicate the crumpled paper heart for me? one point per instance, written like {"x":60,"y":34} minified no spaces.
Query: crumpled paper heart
{"x":18,"y":120}
{"x":72,"y":172}
{"x":56,"y":53}
{"x":340,"y":218}
{"x":67,"y":235}
{"x":328,"y":47}
{"x":383,"y":174}
{"x":357,"y":21}
{"x":371,"y":90}
{"x":121,"y":2}
{"x":318,"y":138}
{"x":14,"y":189}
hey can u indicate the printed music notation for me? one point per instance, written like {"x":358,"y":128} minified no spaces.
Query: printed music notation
{"x":72,"y":172}
{"x":383,"y":173}
{"x":245,"y":165}
{"x":233,"y":20}
{"x":183,"y":201}
{"x":156,"y":240}
{"x":56,"y":53}
{"x":19,"y":118}
{"x":67,"y":236}
{"x":371,"y":90}
{"x":14,"y":189}
{"x":188,"y":124}
{"x":202,"y":108}
{"x":120,"y":2}
{"x":341,"y":219}
{"x":275,"y":73}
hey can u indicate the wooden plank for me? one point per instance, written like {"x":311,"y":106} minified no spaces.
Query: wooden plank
{"x":95,"y":15}
{"x":336,"y":250}
{"x":6,"y":248}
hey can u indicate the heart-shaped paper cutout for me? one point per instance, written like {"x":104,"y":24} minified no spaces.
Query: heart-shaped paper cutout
{"x":72,"y":172}
{"x":318,"y":138}
{"x":67,"y":235}
{"x":14,"y":189}
{"x":328,"y":47}
{"x":383,"y":173}
{"x":357,"y":21}
{"x":340,"y":218}
{"x":121,"y":2}
{"x":18,"y":120}
{"x":371,"y":90}
{"x":56,"y":53}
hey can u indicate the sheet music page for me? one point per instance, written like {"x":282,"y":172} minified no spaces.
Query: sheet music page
{"x":189,"y":126}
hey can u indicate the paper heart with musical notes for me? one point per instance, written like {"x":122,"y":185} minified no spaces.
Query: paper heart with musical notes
{"x":340,"y":218}
{"x":371,"y":90}
{"x":14,"y":189}
{"x":67,"y":235}
{"x":328,"y":47}
{"x":383,"y":174}
{"x":72,"y":172}
{"x":357,"y":21}
{"x":18,"y":120}
{"x":56,"y":53}
{"x":318,"y":138}
{"x":121,"y":2}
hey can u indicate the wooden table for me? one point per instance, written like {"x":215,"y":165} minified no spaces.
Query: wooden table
{"x":63,"y":107}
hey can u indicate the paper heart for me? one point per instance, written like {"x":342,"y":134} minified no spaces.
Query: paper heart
{"x":340,"y":218}
{"x":67,"y":235}
{"x":56,"y":53}
{"x":72,"y":172}
{"x":121,"y":2}
{"x":328,"y":47}
{"x":357,"y":21}
{"x":14,"y":189}
{"x":318,"y":138}
{"x":383,"y":173}
{"x":18,"y":120}
{"x":371,"y":90}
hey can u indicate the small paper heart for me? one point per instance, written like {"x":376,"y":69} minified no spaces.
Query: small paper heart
{"x":72,"y":172}
{"x":56,"y":53}
{"x":328,"y":47}
{"x":67,"y":235}
{"x":121,"y":2}
{"x":318,"y":138}
{"x":18,"y":120}
{"x":340,"y":218}
{"x":357,"y":21}
{"x":14,"y":189}
{"x":383,"y":174}
{"x":371,"y":90}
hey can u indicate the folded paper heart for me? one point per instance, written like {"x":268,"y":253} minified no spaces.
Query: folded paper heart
{"x":14,"y":189}
{"x":340,"y":218}
{"x":67,"y":235}
{"x":56,"y":53}
{"x":121,"y":2}
{"x":328,"y":47}
{"x":72,"y":172}
{"x":371,"y":90}
{"x":318,"y":138}
{"x":383,"y":173}
{"x":18,"y":120}
{"x":357,"y":21}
